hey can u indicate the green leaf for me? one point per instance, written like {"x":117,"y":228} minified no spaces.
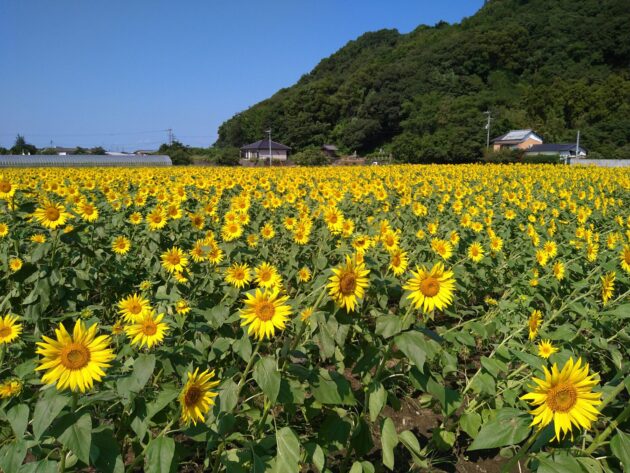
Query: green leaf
{"x":43,"y":466}
{"x":12,"y":455}
{"x":356,"y":468}
{"x":332,"y":388}
{"x":48,"y":407}
{"x":76,"y":434}
{"x":590,"y":465}
{"x":288,"y":457}
{"x":620,"y":447}
{"x":557,"y":463}
{"x":389,"y":440}
{"x":509,"y":427}
{"x":160,"y":454}
{"x":388,"y":325}
{"x":443,"y":439}
{"x":412,"y":345}
{"x":378,"y":398}
{"x":409,"y":440}
{"x":18,"y":418}
{"x":105,"y":453}
{"x":243,"y":347}
{"x":315,"y":455}
{"x":267,"y":376}
{"x":142,"y":370}
{"x":470,"y":422}
{"x":227,"y":396}
{"x":166,"y":395}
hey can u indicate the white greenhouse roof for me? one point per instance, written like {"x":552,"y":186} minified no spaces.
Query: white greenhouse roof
{"x":82,"y":160}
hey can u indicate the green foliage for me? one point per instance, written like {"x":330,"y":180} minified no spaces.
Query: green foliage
{"x":310,"y":157}
{"x":503,"y":156}
{"x":22,"y":147}
{"x":422,"y":95}
{"x":542,"y":159}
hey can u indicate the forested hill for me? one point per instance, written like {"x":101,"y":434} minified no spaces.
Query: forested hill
{"x":552,"y":65}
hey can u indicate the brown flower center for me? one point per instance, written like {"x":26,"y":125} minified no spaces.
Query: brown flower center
{"x":396,"y":261}
{"x":74,"y":356}
{"x":562,"y":397}
{"x":5,"y":332}
{"x":193,"y":395}
{"x":149,"y":327}
{"x":430,"y":286}
{"x":265,"y":311}
{"x":5,"y":186}
{"x":52,"y":213}
{"x":134,"y":307}
{"x":347,"y":284}
{"x":626,"y":256}
{"x":173,"y":258}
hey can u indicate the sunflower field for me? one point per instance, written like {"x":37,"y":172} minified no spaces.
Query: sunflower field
{"x":364,"y":319}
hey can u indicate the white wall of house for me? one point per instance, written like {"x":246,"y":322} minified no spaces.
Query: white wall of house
{"x":278,"y":154}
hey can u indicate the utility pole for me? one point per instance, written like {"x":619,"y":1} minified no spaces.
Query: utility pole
{"x":269,"y":132}
{"x":170,"y":136}
{"x":488,"y":128}
{"x":577,"y":145}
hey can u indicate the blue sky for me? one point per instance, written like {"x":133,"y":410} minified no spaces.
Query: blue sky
{"x":116,"y":72}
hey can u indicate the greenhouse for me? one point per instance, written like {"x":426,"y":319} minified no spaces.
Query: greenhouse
{"x":82,"y":160}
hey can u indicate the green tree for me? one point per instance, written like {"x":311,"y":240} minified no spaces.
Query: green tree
{"x":310,"y":157}
{"x":22,"y":147}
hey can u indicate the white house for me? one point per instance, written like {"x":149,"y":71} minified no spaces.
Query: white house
{"x":261,"y":149}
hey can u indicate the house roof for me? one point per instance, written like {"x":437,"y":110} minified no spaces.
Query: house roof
{"x":264,"y":145}
{"x":515,"y":136}
{"x":330,"y":148}
{"x":82,"y":160}
{"x":553,"y":147}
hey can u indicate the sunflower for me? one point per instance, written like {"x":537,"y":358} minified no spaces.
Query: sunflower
{"x":264,"y":312}
{"x":347,"y":284}
{"x":231,"y":231}
{"x":546,"y":349}
{"x":9,"y":329}
{"x":238,"y":275}
{"x":306,"y":313}
{"x":398,"y":262}
{"x":51,"y":215}
{"x":148,"y":330}
{"x":304,"y":274}
{"x":135,"y":218}
{"x":442,"y":248}
{"x":608,"y":286}
{"x":558,"y":270}
{"x":267,"y":231}
{"x":156,"y":219}
{"x":74,"y":361}
{"x":87,"y":211}
{"x":10,"y":388}
{"x":624,"y":256}
{"x":266,"y":276}
{"x":182,"y":307}
{"x":535,"y":321}
{"x":38,"y":238}
{"x":431,"y":289}
{"x":197,"y":396}
{"x":15,"y":264}
{"x":475,"y":252}
{"x":4,"y":230}
{"x":174,"y":260}
{"x":134,"y":307}
{"x":121,"y":245}
{"x":7,"y":188}
{"x":565,"y":397}
{"x":496,"y":244}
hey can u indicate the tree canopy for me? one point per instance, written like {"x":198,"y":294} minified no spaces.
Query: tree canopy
{"x":552,"y":65}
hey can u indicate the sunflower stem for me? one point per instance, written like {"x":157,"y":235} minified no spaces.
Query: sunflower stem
{"x":601,"y":438}
{"x":64,"y":450}
{"x":507,"y":468}
{"x":3,"y":348}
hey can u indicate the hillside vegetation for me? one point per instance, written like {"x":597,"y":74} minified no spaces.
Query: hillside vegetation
{"x":552,"y":65}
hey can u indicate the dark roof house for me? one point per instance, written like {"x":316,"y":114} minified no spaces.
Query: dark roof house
{"x":562,"y":149}
{"x":260,"y":150}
